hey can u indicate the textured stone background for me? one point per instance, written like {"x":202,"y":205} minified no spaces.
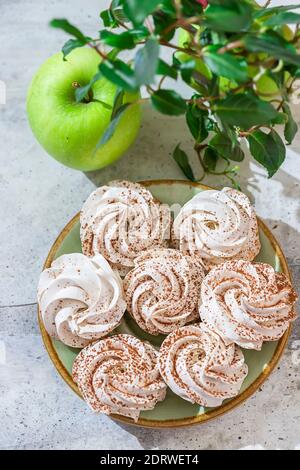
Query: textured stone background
{"x":38,"y":196}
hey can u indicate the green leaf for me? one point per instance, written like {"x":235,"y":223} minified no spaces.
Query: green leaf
{"x":226,"y":65}
{"x":272,"y":45}
{"x":210,"y":159}
{"x":196,"y":121}
{"x":121,"y":41}
{"x":275,"y":10}
{"x":72,"y":44}
{"x":182,"y":161}
{"x":187,"y":69}
{"x":118,"y":101}
{"x":268,"y":150}
{"x":163,"y":21}
{"x":213,"y":88}
{"x":68,"y":28}
{"x":234,"y":16}
{"x":112,"y":126}
{"x":165,"y":69}
{"x":82,"y":92}
{"x":112,"y":55}
{"x":191,"y":8}
{"x":108,"y":19}
{"x":145,"y":62}
{"x":245,"y":111}
{"x":281,"y":118}
{"x":137,"y":10}
{"x":283,"y":18}
{"x":200,"y":83}
{"x":139,"y":33}
{"x":117,"y":10}
{"x":226,"y":148}
{"x":119,"y":73}
{"x":291,"y":126}
{"x":168,"y":102}
{"x":168,"y":7}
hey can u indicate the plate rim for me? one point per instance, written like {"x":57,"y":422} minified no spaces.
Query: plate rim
{"x":180,"y":422}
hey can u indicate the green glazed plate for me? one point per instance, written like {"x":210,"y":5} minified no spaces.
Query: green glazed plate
{"x":173,"y":411}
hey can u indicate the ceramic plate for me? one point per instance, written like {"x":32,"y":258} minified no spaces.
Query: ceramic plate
{"x":173,"y":411}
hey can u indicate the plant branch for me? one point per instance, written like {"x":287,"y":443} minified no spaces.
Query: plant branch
{"x":230,"y":46}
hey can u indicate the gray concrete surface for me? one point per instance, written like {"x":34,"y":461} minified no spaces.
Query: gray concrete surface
{"x":38,"y":196}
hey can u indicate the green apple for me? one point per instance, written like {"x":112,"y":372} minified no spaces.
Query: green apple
{"x":70,"y":131}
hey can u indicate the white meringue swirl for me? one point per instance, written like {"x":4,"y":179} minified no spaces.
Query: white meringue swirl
{"x":119,"y":375}
{"x":199,"y":367}
{"x":80,"y":299}
{"x":247,"y":303}
{"x":217,"y":226}
{"x":163,"y":290}
{"x":121,"y":220}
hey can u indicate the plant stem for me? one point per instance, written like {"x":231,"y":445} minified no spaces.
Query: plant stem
{"x":161,"y":81}
{"x":102,"y":54}
{"x":181,"y":49}
{"x":230,"y":46}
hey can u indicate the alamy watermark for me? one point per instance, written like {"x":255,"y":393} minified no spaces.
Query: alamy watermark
{"x":2,"y":92}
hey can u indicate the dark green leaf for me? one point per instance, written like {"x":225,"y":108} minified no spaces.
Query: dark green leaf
{"x":210,"y":159}
{"x":145,"y":62}
{"x":139,"y":33}
{"x":268,"y":150}
{"x":182,"y":161}
{"x":167,"y":6}
{"x":226,"y":65}
{"x":283,"y":18}
{"x":281,"y":118}
{"x":137,"y":10}
{"x":191,"y":8}
{"x":165,"y":69}
{"x":225,"y":3}
{"x":274,"y":46}
{"x":291,"y":127}
{"x":245,"y":111}
{"x":196,"y":121}
{"x":275,"y":10}
{"x":226,"y":148}
{"x":117,"y":10}
{"x":108,"y":19}
{"x":119,"y":73}
{"x":68,"y":28}
{"x":200,"y":83}
{"x":121,"y":41}
{"x":162,"y":23}
{"x":72,"y":44}
{"x":112,"y":126}
{"x":112,"y":55}
{"x":83,"y":92}
{"x":234,"y":16}
{"x":118,"y":101}
{"x":213,"y":88}
{"x":187,"y":69}
{"x":168,"y":102}
{"x":278,"y":77}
